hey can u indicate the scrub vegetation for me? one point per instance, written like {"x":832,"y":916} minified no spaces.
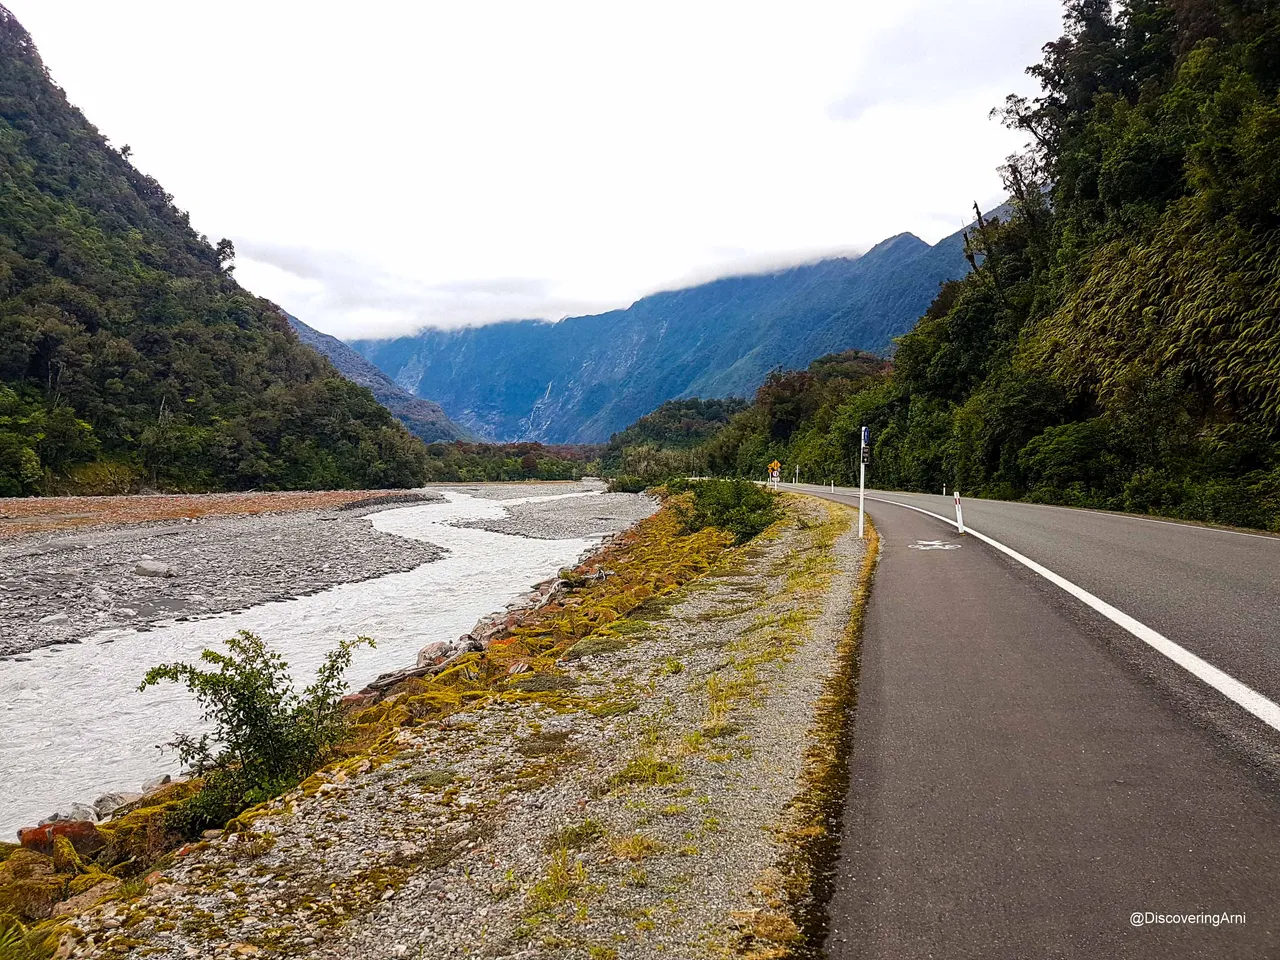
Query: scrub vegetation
{"x":266,"y":738}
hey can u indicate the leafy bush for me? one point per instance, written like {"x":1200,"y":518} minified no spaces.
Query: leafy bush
{"x":738,"y":507}
{"x":266,"y":738}
{"x":627,"y":484}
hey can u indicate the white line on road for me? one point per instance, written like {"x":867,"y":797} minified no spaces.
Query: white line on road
{"x":1111,"y":514}
{"x":1265,"y":710}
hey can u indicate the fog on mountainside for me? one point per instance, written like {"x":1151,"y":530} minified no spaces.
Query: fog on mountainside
{"x":584,"y":378}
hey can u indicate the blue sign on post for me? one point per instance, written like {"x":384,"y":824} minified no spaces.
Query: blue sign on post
{"x":866,"y":436}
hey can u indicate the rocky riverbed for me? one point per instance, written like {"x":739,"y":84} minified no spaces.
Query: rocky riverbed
{"x":411,"y":572}
{"x":562,"y":519}
{"x":83,"y":568}
{"x":60,"y":587}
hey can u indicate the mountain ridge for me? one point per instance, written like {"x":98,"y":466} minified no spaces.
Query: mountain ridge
{"x":581,"y":379}
{"x":421,"y":417}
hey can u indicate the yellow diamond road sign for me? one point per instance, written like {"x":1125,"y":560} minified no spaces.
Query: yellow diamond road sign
{"x":775,"y":465}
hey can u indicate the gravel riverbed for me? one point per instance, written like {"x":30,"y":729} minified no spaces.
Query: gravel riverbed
{"x":60,"y":588}
{"x":61,"y":585}
{"x":563,"y":519}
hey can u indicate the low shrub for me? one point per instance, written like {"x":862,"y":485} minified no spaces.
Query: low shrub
{"x":266,"y":737}
{"x":627,"y":484}
{"x":739,"y":507}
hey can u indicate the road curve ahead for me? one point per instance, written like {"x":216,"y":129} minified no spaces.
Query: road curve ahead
{"x":1028,"y":774}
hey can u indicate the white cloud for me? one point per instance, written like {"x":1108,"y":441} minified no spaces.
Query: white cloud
{"x":388,"y":165}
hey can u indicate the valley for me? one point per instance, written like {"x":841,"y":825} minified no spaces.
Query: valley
{"x":583,"y":378}
{"x":504,"y":627}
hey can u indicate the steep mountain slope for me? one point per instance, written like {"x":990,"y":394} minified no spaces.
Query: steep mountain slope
{"x":128,"y":354}
{"x":585,"y":377}
{"x":424,"y":419}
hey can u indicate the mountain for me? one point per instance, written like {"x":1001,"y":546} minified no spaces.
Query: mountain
{"x":424,"y":419}
{"x":583,"y":378}
{"x":128,"y":353}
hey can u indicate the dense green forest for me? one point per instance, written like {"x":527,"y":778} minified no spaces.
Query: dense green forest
{"x":128,"y":353}
{"x":472,"y":462}
{"x":669,"y":441}
{"x":1118,"y":344}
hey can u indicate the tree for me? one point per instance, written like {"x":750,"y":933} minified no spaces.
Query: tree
{"x":226,"y":254}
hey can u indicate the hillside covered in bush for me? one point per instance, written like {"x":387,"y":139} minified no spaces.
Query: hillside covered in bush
{"x":128,"y":353}
{"x":1118,"y":345}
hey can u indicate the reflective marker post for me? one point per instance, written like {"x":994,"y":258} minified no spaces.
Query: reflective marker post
{"x":959,"y":514}
{"x":862,"y":481}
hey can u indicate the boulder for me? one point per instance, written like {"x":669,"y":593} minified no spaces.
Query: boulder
{"x":82,"y":834}
{"x":23,"y":864}
{"x":358,"y":701}
{"x":32,"y":899}
{"x":109,"y":803}
{"x":82,"y":811}
{"x":87,"y":898}
{"x":433,"y":653}
{"x":154,"y":568}
{"x":155,"y":783}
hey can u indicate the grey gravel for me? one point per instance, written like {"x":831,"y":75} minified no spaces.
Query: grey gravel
{"x":515,"y":491}
{"x":62,"y":588}
{"x":590,"y":516}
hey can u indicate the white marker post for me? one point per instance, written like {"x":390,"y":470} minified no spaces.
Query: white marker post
{"x":862,"y":481}
{"x":959,"y":514}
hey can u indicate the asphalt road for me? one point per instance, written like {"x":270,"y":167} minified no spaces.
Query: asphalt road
{"x":1026,"y":774}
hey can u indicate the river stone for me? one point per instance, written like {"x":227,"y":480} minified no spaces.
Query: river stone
{"x":82,"y":811}
{"x":155,"y":783}
{"x":82,"y":834}
{"x":85,"y":900}
{"x":109,"y":803}
{"x":154,"y":568}
{"x":434,"y":652}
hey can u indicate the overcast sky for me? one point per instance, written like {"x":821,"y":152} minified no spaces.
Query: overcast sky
{"x":383,"y":165}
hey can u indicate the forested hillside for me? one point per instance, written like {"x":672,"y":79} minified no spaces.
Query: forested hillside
{"x":584,"y":378}
{"x":423,"y":418}
{"x":128,"y":353}
{"x":1119,"y":345}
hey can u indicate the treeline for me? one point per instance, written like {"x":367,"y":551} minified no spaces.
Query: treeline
{"x":128,"y":354}
{"x":1118,"y":344}
{"x":474,"y":462}
{"x":668,"y":442}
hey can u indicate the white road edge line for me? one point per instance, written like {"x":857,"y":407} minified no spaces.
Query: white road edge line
{"x":1265,"y":710}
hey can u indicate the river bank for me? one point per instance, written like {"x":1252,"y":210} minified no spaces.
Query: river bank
{"x":660,"y":786}
{"x":72,"y":565}
{"x":59,"y":588}
{"x":102,"y":736}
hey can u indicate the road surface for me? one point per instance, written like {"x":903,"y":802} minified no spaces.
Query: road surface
{"x":1027,"y":774}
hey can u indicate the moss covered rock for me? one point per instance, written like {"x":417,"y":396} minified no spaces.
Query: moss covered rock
{"x":29,"y":886}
